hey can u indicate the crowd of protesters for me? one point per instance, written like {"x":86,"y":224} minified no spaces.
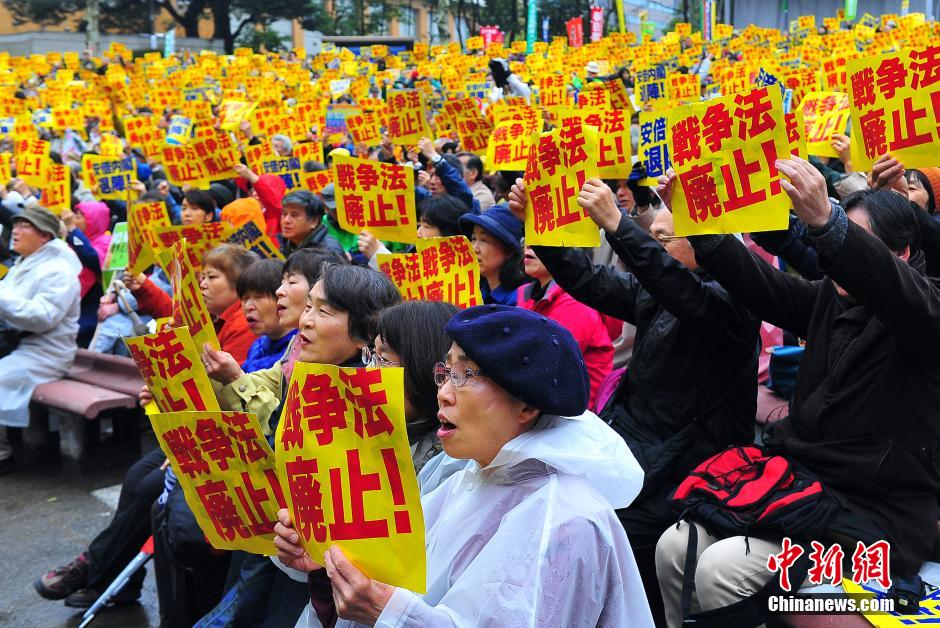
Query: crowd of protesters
{"x":549,"y":426}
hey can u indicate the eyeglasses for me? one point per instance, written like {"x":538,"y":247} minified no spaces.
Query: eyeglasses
{"x":458,"y":373}
{"x":370,"y":357}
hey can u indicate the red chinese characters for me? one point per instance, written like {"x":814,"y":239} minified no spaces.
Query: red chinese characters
{"x":724,"y":152}
{"x":894,"y":103}
{"x":375,"y":196}
{"x":558,"y":166}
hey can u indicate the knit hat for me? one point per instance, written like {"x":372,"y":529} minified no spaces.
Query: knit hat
{"x":41,"y":218}
{"x":529,"y":355}
{"x":242,"y":210}
{"x":499,"y":221}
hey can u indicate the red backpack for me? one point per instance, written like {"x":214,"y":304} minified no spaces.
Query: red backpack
{"x":743,"y":489}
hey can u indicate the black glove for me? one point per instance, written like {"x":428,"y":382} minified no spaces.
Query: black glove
{"x":641,"y":194}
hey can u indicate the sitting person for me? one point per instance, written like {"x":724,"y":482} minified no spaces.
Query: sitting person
{"x":39,"y":310}
{"x":257,"y":290}
{"x":532,"y":514}
{"x":863,"y":416}
{"x":544,"y":296}
{"x":496,"y":235}
{"x":410,"y":335}
{"x":222,"y":266}
{"x":687,"y":395}
{"x":82,"y":580}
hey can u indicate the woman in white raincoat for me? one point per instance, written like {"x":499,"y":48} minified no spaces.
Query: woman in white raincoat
{"x":40,"y":295}
{"x":526,"y":535}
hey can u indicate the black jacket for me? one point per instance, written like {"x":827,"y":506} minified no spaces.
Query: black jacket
{"x":864,"y":417}
{"x":319,"y":238}
{"x":693,"y":343}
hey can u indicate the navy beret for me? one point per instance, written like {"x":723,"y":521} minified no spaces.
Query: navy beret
{"x":529,"y":355}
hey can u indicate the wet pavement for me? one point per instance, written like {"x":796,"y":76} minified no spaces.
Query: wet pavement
{"x":48,"y":515}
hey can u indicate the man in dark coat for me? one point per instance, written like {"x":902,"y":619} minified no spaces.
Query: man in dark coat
{"x":864,"y":415}
{"x":690,"y":390}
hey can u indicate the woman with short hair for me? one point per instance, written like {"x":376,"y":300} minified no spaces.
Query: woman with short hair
{"x":496,"y":235}
{"x":526,"y":534}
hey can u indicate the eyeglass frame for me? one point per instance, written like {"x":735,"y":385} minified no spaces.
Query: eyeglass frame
{"x":448,"y":374}
{"x":370,"y":357}
{"x":664,"y":237}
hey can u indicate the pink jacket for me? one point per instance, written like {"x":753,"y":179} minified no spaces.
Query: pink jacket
{"x":98,"y":219}
{"x":585,"y":324}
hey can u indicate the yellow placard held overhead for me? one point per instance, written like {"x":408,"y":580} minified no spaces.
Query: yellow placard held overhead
{"x":375,"y":196}
{"x":895,"y":101}
{"x":723,"y":151}
{"x":559,"y":163}
{"x":343,"y":457}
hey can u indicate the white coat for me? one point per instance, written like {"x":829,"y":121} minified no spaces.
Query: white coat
{"x":40,"y":294}
{"x":531,"y":539}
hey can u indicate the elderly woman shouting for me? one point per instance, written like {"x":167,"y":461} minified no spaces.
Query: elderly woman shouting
{"x":526,"y":534}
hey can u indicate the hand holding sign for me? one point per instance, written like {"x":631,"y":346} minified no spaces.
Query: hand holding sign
{"x":667,"y":184}
{"x":357,"y":597}
{"x":600,"y":204}
{"x":289,"y":550}
{"x":888,"y":173}
{"x":220,"y":366}
{"x":518,"y":199}
{"x":807,"y":191}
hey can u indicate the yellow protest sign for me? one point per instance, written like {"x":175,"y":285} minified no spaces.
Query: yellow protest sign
{"x":895,"y":103}
{"x":110,"y":176}
{"x":594,"y":97}
{"x":57,"y":191}
{"x":613,"y":139}
{"x":450,"y":271}
{"x":723,"y":151}
{"x":375,"y":196}
{"x":110,"y":146}
{"x":796,"y":133}
{"x":252,"y":238}
{"x":363,"y":129}
{"x":342,"y":455}
{"x":317,"y":180}
{"x":226,"y":470}
{"x":5,"y":171}
{"x":142,"y":219}
{"x":232,"y":112}
{"x":472,"y":128}
{"x":170,"y":365}
{"x":552,"y":91}
{"x":683,"y":87}
{"x":143,"y":134}
{"x":31,"y":160}
{"x":407,"y":121}
{"x":216,"y":151}
{"x":182,"y":166}
{"x":651,"y":83}
{"x":559,"y":163}
{"x":824,"y":114}
{"x":404,"y":269}
{"x":189,"y":307}
{"x":508,"y":146}
{"x":199,"y":238}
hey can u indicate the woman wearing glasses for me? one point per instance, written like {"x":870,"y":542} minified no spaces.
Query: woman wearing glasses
{"x":526,"y":534}
{"x":411,"y":335}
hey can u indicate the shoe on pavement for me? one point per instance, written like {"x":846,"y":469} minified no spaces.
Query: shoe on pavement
{"x":7,"y":465}
{"x":64,"y":581}
{"x":86,"y":597}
